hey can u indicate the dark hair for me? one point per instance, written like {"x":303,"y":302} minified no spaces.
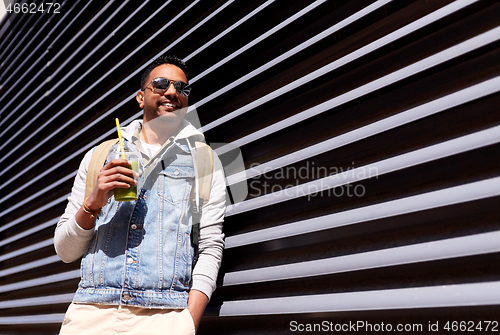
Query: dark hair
{"x":164,"y":59}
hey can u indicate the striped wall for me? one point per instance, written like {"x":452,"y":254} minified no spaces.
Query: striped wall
{"x":370,"y":133}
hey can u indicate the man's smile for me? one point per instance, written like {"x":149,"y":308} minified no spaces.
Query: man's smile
{"x":169,"y":105}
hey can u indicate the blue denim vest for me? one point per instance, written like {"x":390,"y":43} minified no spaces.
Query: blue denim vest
{"x":141,"y":253}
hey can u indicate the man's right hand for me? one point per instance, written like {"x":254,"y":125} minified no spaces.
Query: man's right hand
{"x":115,"y":174}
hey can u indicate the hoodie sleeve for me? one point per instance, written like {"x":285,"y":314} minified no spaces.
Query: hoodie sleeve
{"x":70,"y":240}
{"x":211,"y":236}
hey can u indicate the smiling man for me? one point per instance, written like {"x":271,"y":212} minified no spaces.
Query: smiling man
{"x":141,"y":273}
{"x":170,"y":107}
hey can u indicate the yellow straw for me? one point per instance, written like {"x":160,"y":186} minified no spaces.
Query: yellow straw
{"x":120,"y":138}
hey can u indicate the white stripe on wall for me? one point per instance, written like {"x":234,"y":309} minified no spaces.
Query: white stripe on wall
{"x":30,"y":265}
{"x":29,"y":248}
{"x":39,"y":193}
{"x":421,"y":252}
{"x":33,"y":213}
{"x":30,"y":231}
{"x":476,"y":294}
{"x":45,"y":300}
{"x":32,"y":319}
{"x":40,"y":281}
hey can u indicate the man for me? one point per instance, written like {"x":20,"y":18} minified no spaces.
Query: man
{"x":137,"y":266}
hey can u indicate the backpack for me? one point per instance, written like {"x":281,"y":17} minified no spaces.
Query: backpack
{"x":203,"y":170}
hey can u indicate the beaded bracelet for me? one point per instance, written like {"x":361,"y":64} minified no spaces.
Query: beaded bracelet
{"x":93,"y":212}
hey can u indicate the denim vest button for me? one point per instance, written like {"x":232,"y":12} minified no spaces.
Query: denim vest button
{"x":134,"y":226}
{"x":126,"y":297}
{"x":176,"y":172}
{"x":130,"y":261}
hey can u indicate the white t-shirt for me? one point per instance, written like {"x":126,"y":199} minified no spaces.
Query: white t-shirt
{"x":150,"y":149}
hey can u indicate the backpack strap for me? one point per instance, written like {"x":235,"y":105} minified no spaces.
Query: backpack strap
{"x":96,"y":163}
{"x":204,"y":166}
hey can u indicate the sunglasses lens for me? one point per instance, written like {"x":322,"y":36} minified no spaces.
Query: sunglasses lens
{"x":160,"y":84}
{"x":183,"y":88}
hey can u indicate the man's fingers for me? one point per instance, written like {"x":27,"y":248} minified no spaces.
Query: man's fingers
{"x":117,"y":170}
{"x":117,"y":162}
{"x":109,"y":181}
{"x":118,"y":177}
{"x":122,"y":171}
{"x":117,"y":184}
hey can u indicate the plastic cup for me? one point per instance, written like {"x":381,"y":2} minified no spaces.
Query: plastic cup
{"x":127,"y":194}
{"x":132,"y":154}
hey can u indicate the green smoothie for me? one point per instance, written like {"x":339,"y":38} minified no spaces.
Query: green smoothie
{"x":127,"y":194}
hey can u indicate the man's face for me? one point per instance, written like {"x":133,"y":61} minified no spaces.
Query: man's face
{"x":170,"y":106}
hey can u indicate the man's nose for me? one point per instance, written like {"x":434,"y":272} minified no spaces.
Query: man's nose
{"x":171,"y":92}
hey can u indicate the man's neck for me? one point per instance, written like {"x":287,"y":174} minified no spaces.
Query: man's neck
{"x":157,"y":133}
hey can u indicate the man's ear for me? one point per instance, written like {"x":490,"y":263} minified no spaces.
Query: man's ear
{"x":140,"y":98}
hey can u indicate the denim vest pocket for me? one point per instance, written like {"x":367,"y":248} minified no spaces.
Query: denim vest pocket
{"x":174,"y":187}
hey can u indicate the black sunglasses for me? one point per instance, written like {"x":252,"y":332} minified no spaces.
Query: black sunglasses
{"x":160,"y":85}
